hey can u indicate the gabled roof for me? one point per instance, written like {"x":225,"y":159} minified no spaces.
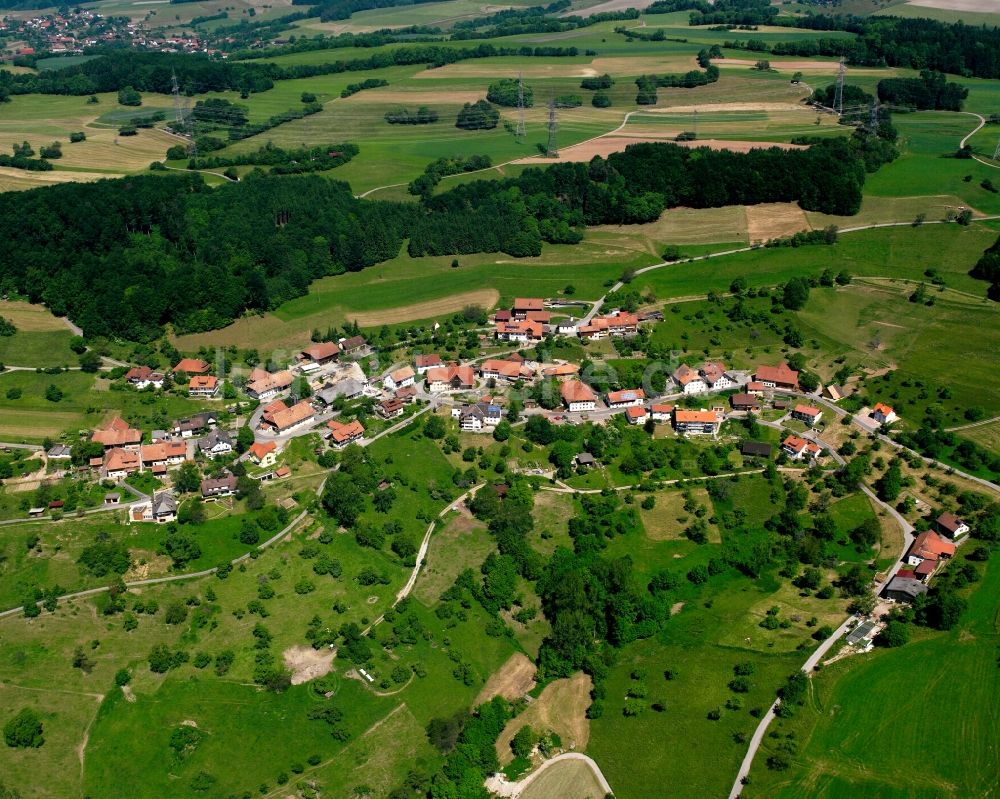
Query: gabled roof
{"x":906,"y":585}
{"x":117,"y":460}
{"x":756,"y":448}
{"x":341,"y":432}
{"x":560,"y":370}
{"x":930,"y":545}
{"x":117,"y":433}
{"x":797,"y":445}
{"x":215,"y":437}
{"x":712,"y":372}
{"x":504,"y":368}
{"x":528,"y":304}
{"x":635,"y":412}
{"x":192,"y":366}
{"x":882,"y":408}
{"x":575,"y":391}
{"x":322,"y":350}
{"x":684,"y":374}
{"x":401,"y":374}
{"x":782,"y":374}
{"x":260,"y":449}
{"x":698,"y":417}
{"x":164,"y":504}
{"x":428,"y":360}
{"x":807,"y":410}
{"x":298,"y":413}
{"x":659,"y":407}
{"x":353,"y":343}
{"x":203,"y":383}
{"x":950,"y":522}
{"x":626,"y":395}
{"x":743,"y":399}
{"x":151,"y":453}
{"x":273,"y":382}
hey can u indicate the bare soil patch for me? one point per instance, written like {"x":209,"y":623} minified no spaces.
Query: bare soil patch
{"x":307,"y":663}
{"x":511,"y":681}
{"x":774,"y":220}
{"x":605,"y":145}
{"x":562,"y":708}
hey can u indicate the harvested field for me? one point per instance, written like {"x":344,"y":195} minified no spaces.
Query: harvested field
{"x":293,"y":333}
{"x":983,"y":6}
{"x":774,"y":220}
{"x":30,"y":318}
{"x":20,"y":423}
{"x":567,"y":779}
{"x":562,"y":708}
{"x":487,"y":68}
{"x":803,"y":66}
{"x":307,"y":663}
{"x":511,"y":681}
{"x":20,"y":179}
{"x":416,"y":97}
{"x":712,"y":107}
{"x":686,"y":226}
{"x":605,"y":145}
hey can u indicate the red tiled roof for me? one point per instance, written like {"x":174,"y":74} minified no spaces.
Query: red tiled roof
{"x":203,"y":382}
{"x":259,"y":449}
{"x":626,"y":395}
{"x":781,"y":374}
{"x":431,"y":359}
{"x":528,"y":304}
{"x":345,"y":432}
{"x":575,"y":391}
{"x":807,"y":410}
{"x":192,"y":366}
{"x":635,"y":412}
{"x":695,"y":416}
{"x":322,"y":351}
{"x":930,"y":543}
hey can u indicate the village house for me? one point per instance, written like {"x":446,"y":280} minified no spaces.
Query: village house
{"x":192,"y":366}
{"x":142,"y":377}
{"x":620,"y":323}
{"x":636,"y":414}
{"x":807,"y":414}
{"x":390,"y":408}
{"x":162,"y":509}
{"x":689,"y":380}
{"x":586,"y":460}
{"x":425,"y":362}
{"x":627,"y":398}
{"x":331,"y":392}
{"x":281,"y":420}
{"x":715,"y":376}
{"x":263,"y":454}
{"x":120,"y":463}
{"x":509,"y":370}
{"x":703,"y":422}
{"x":216,"y":443}
{"x":780,"y":376}
{"x":268,"y":387}
{"x":520,"y":331}
{"x":186,"y":428}
{"x":400,"y":378}
{"x":744,"y":402}
{"x":797,"y":448}
{"x":117,"y":433}
{"x":835,"y":393}
{"x":160,"y":456}
{"x":213,"y":488}
{"x":342,"y":434}
{"x":578,"y":396}
{"x":203,"y":386}
{"x":660,"y":412}
{"x":59,"y":452}
{"x":445,"y":378}
{"x":405,"y":395}
{"x":321,"y":353}
{"x":755,"y":388}
{"x":951,"y":526}
{"x":883,"y":414}
{"x":560,"y":371}
{"x":473,"y":418}
{"x":929,"y":546}
{"x":904,"y":589}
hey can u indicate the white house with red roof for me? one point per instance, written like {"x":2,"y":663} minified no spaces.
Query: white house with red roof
{"x":636,"y":414}
{"x":627,"y":398}
{"x":399,"y":378}
{"x":807,"y":413}
{"x":798,"y":448}
{"x":578,"y":396}
{"x":780,"y":376}
{"x":883,"y":414}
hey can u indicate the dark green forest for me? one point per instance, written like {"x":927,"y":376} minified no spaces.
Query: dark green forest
{"x":125,"y":257}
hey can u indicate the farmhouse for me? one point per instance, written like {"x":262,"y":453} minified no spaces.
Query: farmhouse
{"x":661,"y":412}
{"x":354,"y":347}
{"x":348,"y":389}
{"x":283,"y":420}
{"x":323,"y":352}
{"x":390,"y":408}
{"x":744,"y":402}
{"x":342,"y":434}
{"x":715,"y":376}
{"x":807,"y":414}
{"x":620,"y":323}
{"x":904,"y":589}
{"x":520,"y":330}
{"x":883,"y":414}
{"x":191,"y":366}
{"x":951,"y":526}
{"x":405,"y":395}
{"x":425,"y":362}
{"x":561,"y":371}
{"x":212,"y":488}
{"x":508,"y":370}
{"x":120,"y":463}
{"x":629,"y":398}
{"x":696,"y":421}
{"x":578,"y":396}
{"x":216,"y":443}
{"x":265,"y":388}
{"x":186,"y":428}
{"x":756,"y":388}
{"x":117,"y":433}
{"x":443,"y":378}
{"x":263,"y":454}
{"x":929,"y":546}
{"x":526,"y":305}
{"x":167,"y":453}
{"x":203,"y":386}
{"x":142,"y":377}
{"x":797,"y":448}
{"x":636,"y":414}
{"x":404,"y":376}
{"x":689,"y":380}
{"x":780,"y":376}
{"x":473,"y":418}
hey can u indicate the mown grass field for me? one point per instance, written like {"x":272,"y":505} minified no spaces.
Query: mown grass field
{"x":864,"y":728}
{"x":41,"y":339}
